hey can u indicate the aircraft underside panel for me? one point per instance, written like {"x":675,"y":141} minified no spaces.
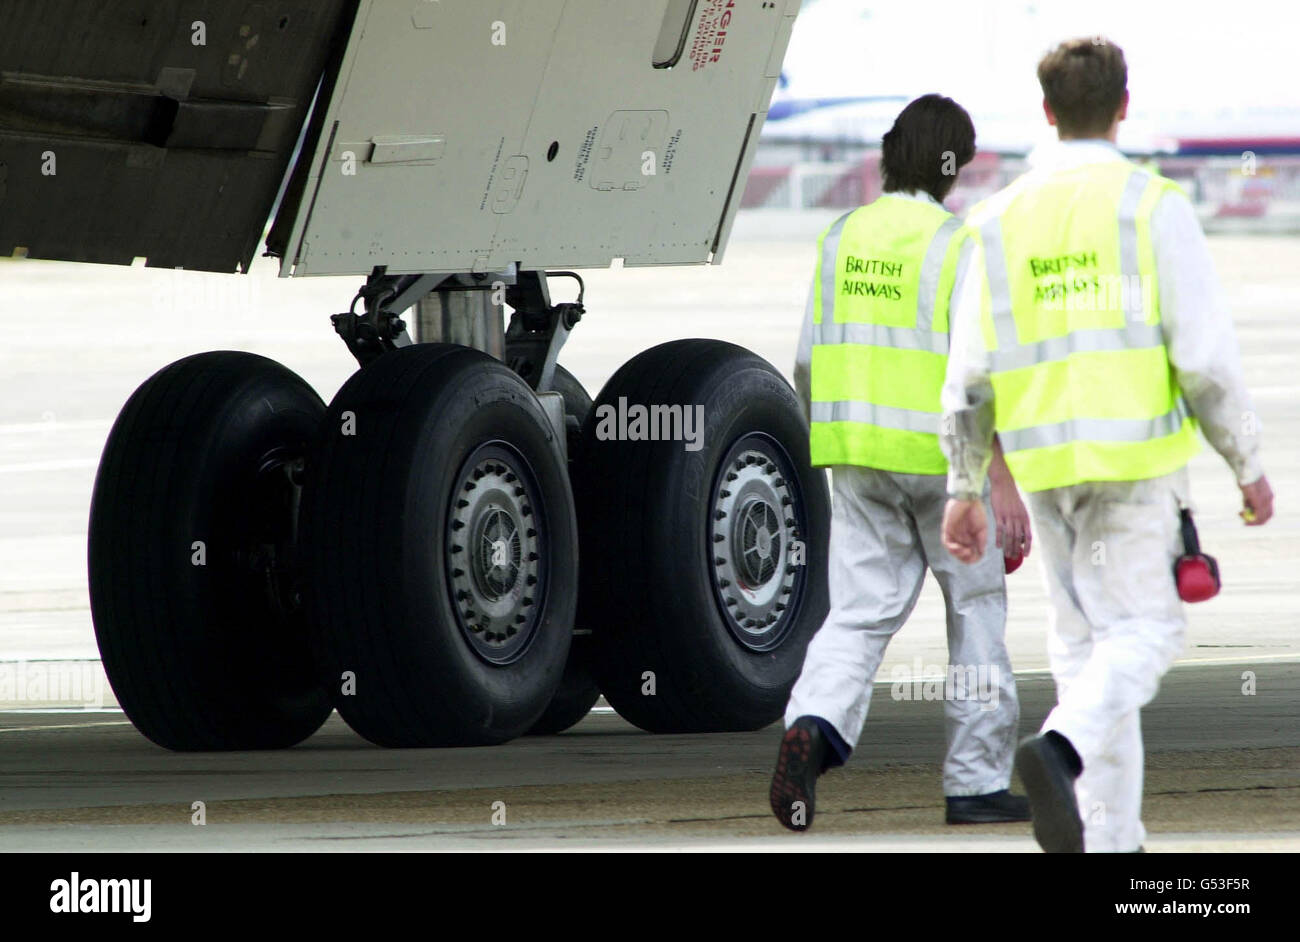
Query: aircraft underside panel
{"x":463,"y":136}
{"x":153,"y":128}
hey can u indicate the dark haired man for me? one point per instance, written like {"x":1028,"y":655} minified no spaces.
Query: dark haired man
{"x":1087,"y":332}
{"x":870,"y":368}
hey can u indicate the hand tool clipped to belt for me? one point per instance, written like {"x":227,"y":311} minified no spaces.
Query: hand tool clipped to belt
{"x":1196,"y":573}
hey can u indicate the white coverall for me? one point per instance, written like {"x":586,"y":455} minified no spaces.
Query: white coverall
{"x":1108,"y":548}
{"x":885,"y":532}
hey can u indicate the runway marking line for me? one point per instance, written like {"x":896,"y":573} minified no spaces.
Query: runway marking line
{"x":71,"y":464}
{"x":33,"y":729}
{"x":610,"y":711}
{"x":1202,"y":661}
{"x":54,"y":425}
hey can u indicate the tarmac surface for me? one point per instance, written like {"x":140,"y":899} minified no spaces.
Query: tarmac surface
{"x":1224,"y":766}
{"x":1223,"y":773}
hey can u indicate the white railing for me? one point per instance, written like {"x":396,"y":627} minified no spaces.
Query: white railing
{"x":1228,"y":192}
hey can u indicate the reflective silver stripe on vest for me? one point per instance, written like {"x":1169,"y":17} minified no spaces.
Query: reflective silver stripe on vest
{"x":830,"y":252}
{"x":1129,"y":265}
{"x":879,"y":335}
{"x":932,"y":271}
{"x":921,"y":337}
{"x":995,"y":263}
{"x":1094,"y":430}
{"x":1091,"y":340}
{"x":905,"y":420}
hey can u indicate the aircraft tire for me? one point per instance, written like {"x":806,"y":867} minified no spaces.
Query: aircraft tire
{"x":441,"y":550}
{"x":699,"y":623}
{"x":191,"y":552}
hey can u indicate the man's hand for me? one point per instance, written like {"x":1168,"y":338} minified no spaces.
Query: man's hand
{"x":1257,"y":502}
{"x":965,"y":529}
{"x":1013,"y":536}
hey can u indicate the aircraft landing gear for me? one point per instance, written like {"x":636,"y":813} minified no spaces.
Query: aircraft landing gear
{"x":410,"y":554}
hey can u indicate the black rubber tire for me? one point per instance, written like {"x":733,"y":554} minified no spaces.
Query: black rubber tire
{"x":200,"y":656}
{"x":376,"y":520}
{"x":576,"y":694}
{"x":646,"y":534}
{"x":578,"y":690}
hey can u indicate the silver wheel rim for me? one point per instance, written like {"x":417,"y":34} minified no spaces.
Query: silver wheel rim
{"x":756,"y":515}
{"x":496,"y":553}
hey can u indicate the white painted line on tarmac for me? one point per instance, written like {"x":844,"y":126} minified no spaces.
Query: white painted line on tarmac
{"x":71,"y":464}
{"x":54,"y":425}
{"x":69,"y":711}
{"x":1242,"y":659}
{"x":38,"y":729}
{"x":1207,"y":661}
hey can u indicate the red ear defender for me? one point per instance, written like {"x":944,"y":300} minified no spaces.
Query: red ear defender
{"x":1196,"y":573}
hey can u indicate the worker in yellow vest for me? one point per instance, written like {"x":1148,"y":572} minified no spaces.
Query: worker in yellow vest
{"x":870,"y":370}
{"x":1087,"y":334}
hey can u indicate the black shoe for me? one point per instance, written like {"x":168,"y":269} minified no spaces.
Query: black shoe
{"x":993,"y":808}
{"x":799,"y":762}
{"x":1048,"y":765}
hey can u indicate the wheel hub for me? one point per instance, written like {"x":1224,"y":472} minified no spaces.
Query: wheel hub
{"x":496,"y":551}
{"x":758,"y":541}
{"x":268,"y":552}
{"x":498,"y":544}
{"x":756,"y":522}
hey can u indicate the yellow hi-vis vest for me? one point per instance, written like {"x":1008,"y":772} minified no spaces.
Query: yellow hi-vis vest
{"x":880,"y":335}
{"x":1083,"y":389}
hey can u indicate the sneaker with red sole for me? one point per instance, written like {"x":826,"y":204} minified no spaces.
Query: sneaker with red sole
{"x":798,"y":763}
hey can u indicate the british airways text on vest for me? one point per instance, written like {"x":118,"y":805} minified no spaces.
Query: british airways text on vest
{"x":873,"y":289}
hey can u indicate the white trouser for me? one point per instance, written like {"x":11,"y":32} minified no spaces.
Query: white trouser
{"x":1108,"y":551}
{"x":885,"y":530}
